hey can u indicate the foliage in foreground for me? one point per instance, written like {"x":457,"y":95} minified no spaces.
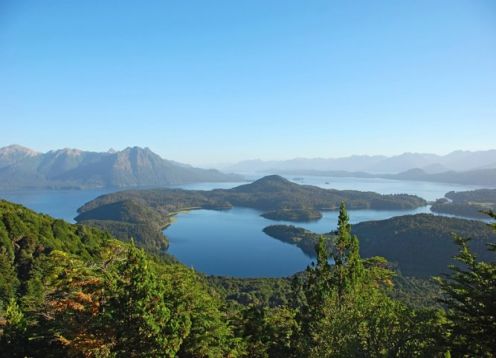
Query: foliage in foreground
{"x":67,"y":290}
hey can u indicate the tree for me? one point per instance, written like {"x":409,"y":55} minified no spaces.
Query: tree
{"x":13,"y":338}
{"x":8,"y":278}
{"x":199,"y":310}
{"x":347,"y":312}
{"x":348,"y":269}
{"x":471,"y":302}
{"x":137,"y":313}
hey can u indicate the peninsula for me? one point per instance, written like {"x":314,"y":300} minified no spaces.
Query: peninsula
{"x":142,"y":214}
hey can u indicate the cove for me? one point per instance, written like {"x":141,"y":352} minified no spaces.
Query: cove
{"x":232,"y":243}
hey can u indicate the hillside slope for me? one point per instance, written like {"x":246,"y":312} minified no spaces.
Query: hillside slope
{"x":420,"y":245}
{"x":266,"y":194}
{"x":73,"y":291}
{"x":467,"y":203}
{"x":72,"y":168}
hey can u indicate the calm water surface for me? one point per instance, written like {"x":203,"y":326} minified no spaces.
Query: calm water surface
{"x":61,"y":204}
{"x":232,"y":242}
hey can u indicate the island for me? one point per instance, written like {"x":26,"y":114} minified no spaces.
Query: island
{"x":420,"y":245}
{"x":300,"y":237}
{"x":142,"y":214}
{"x":470,"y":204}
{"x":298,"y":215}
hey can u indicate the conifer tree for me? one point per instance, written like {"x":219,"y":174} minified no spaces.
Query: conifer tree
{"x":142,"y":322}
{"x":346,"y":312}
{"x":8,"y":278}
{"x":13,"y":339}
{"x":471,"y":301}
{"x":348,"y":268}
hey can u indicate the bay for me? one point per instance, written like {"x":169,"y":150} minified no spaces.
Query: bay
{"x":232,"y":242}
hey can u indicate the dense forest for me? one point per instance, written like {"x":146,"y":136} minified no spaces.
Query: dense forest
{"x":467,"y":203}
{"x":417,"y":245}
{"x":144,"y":213}
{"x":297,"y":215}
{"x":72,"y":290}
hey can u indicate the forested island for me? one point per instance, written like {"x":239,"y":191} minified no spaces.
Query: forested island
{"x":300,"y":215}
{"x":144,"y":213}
{"x":467,"y":203}
{"x":419,"y":245}
{"x":72,"y":290}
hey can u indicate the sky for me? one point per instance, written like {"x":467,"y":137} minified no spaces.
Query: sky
{"x":222,"y":81}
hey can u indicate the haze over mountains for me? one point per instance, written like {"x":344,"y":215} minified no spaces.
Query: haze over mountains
{"x":22,"y":167}
{"x":429,"y":163}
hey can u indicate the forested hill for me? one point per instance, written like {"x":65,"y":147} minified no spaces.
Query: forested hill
{"x":123,"y":213}
{"x":422,"y":244}
{"x":467,"y":203}
{"x":72,"y":168}
{"x":72,"y":291}
{"x":419,"y":245}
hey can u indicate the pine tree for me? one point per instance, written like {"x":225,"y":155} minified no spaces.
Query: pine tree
{"x":13,"y":340}
{"x":347,"y":313}
{"x":137,"y":312}
{"x":348,"y":268}
{"x":8,"y":278}
{"x":471,"y":301}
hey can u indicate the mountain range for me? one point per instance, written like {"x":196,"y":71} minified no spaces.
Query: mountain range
{"x":22,"y":167}
{"x":429,"y":163}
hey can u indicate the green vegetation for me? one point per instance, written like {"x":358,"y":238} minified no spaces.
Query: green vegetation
{"x":471,"y":204}
{"x":74,"y":291}
{"x":300,"y":215}
{"x":70,"y":290}
{"x":420,"y":245}
{"x":471,"y":302}
{"x":144,"y":213}
{"x":130,"y":219}
{"x":305,"y":239}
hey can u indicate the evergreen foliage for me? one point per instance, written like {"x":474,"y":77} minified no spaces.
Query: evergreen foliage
{"x":346,"y":311}
{"x":471,"y":302}
{"x":73,"y":291}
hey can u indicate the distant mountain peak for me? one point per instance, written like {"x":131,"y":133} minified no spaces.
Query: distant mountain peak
{"x":268,"y":183}
{"x":68,"y":151}
{"x":271,"y":179}
{"x":14,"y":153}
{"x":16,"y":148}
{"x":74,"y":168}
{"x":377,"y":164}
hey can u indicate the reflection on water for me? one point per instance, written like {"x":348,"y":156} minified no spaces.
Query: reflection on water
{"x":232,"y":242}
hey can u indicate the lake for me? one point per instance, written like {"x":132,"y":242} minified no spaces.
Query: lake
{"x":63,"y":204}
{"x":232,"y":242}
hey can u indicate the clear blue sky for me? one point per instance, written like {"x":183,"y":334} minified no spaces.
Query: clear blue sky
{"x":220,"y":81}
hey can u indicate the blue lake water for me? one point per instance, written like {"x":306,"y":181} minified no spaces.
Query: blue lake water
{"x":61,"y":204}
{"x":232,"y":242}
{"x":426,"y":190}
